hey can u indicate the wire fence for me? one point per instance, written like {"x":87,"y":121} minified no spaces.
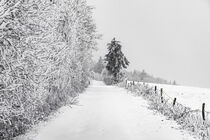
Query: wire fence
{"x":196,"y":121}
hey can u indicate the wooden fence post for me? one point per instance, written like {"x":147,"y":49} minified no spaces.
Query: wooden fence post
{"x":161,"y":94}
{"x":174,"y":102}
{"x":203,"y":111}
{"x":155,"y":89}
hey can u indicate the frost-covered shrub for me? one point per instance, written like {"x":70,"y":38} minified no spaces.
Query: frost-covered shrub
{"x":123,"y":84}
{"x":97,"y":76}
{"x":108,"y":80}
{"x":45,"y":49}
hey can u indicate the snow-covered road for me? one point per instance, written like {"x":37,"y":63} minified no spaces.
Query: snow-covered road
{"x":109,"y":113}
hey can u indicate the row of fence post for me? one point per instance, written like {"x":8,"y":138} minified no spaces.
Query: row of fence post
{"x":174,"y":101}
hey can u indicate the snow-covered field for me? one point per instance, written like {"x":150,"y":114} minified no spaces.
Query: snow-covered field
{"x":192,"y":97}
{"x":108,"y":113}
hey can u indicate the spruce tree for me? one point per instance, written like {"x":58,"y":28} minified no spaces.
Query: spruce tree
{"x":115,"y":60}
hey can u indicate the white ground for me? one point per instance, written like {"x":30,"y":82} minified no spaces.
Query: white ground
{"x":192,"y":97}
{"x":109,"y":113}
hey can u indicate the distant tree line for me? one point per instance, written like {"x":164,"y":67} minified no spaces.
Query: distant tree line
{"x":143,"y":76}
{"x":136,"y":75}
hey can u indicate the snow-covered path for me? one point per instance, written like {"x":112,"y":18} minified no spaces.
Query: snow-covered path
{"x":109,"y":113}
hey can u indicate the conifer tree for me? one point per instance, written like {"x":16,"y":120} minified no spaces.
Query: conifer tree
{"x":115,"y":60}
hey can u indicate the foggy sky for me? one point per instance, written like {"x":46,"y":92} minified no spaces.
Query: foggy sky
{"x":168,"y":38}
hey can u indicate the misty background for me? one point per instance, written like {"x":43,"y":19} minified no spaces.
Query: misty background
{"x":167,"y":38}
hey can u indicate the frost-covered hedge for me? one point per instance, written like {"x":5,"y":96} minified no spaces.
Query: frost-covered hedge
{"x":187,"y":118}
{"x":45,"y":49}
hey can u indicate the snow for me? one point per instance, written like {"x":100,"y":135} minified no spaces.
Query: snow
{"x":109,"y":113}
{"x":192,"y":97}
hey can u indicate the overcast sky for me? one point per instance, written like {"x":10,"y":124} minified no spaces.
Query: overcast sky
{"x":168,"y":38}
